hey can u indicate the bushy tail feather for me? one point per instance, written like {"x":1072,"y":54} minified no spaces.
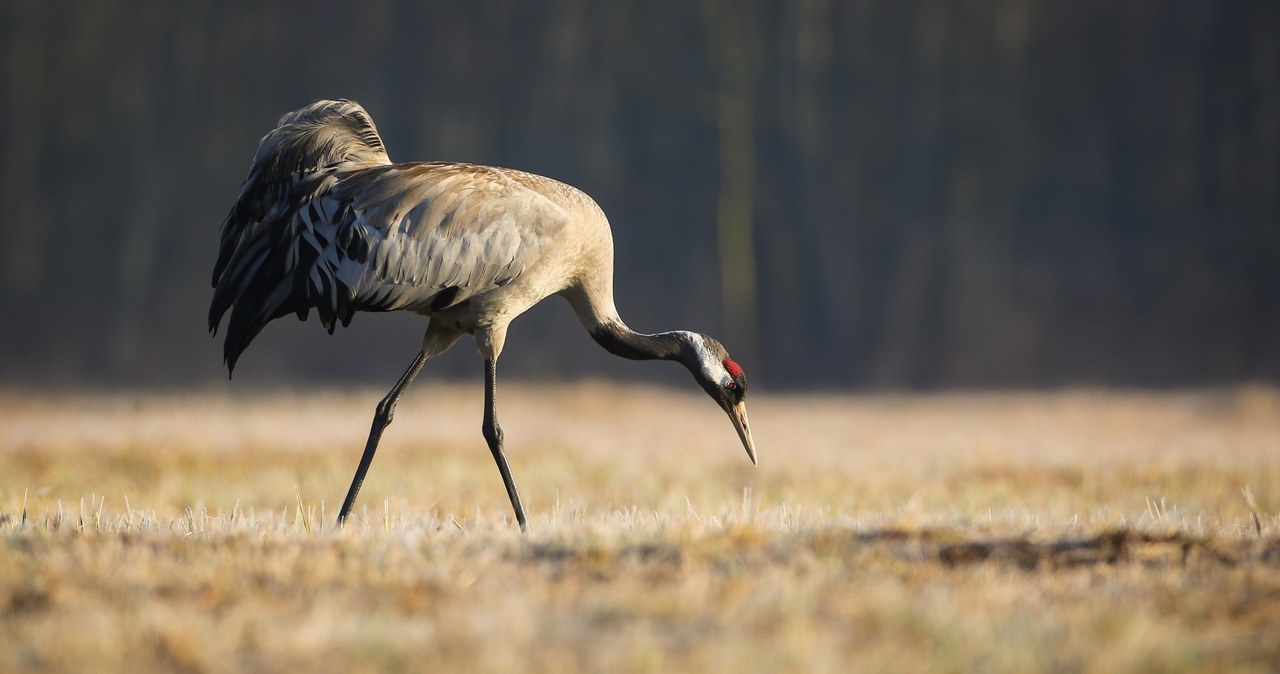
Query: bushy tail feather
{"x":254,"y":275}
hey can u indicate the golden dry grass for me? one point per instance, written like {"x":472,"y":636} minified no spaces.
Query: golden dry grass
{"x":1076,"y":531}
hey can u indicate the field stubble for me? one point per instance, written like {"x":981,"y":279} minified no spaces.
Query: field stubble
{"x":1069,"y":531}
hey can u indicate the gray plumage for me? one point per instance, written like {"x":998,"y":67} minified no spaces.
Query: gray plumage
{"x":325,"y":221}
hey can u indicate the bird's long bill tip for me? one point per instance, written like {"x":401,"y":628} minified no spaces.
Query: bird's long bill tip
{"x":738,"y":415}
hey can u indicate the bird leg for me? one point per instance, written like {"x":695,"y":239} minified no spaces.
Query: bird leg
{"x":493,"y":435}
{"x":381,"y":419}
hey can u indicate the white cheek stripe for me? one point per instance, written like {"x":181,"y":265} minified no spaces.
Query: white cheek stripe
{"x":711,"y":367}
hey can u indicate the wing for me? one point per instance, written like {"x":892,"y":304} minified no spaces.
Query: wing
{"x":424,"y":237}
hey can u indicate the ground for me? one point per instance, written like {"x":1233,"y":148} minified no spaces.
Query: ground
{"x":1078,"y":531}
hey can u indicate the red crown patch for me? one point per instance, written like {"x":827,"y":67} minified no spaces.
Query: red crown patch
{"x":734,"y":369}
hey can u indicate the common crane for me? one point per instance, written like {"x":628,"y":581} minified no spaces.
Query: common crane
{"x":324,"y":220}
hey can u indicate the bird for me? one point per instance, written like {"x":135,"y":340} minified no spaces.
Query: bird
{"x":325,"y":221}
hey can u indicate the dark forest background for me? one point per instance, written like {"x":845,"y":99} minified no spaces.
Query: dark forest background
{"x":849,"y":194}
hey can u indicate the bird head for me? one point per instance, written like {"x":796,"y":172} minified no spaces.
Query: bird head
{"x":723,"y":380}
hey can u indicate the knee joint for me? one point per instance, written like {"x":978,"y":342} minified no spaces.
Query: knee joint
{"x":493,"y":433}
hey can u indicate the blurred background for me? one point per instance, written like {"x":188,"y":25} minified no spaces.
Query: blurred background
{"x":849,"y":194}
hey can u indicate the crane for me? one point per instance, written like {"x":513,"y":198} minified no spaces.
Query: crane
{"x":326,"y":221}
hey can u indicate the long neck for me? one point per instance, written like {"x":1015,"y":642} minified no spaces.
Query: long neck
{"x":594,"y":305}
{"x":620,"y":340}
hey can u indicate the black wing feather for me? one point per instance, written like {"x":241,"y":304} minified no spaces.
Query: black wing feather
{"x":263,"y":272}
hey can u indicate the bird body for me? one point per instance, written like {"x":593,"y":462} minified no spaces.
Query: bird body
{"x":326,"y":221}
{"x":470,"y":246}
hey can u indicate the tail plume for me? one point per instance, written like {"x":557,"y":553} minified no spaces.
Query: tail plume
{"x":259,"y":275}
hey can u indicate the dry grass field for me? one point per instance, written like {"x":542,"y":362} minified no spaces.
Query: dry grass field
{"x":1058,"y":532}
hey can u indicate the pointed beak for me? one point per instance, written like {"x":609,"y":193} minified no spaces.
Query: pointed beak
{"x":738,"y":415}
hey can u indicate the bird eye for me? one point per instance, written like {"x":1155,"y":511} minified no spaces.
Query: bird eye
{"x":732,"y":386}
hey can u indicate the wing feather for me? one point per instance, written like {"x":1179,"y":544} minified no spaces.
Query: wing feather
{"x":440,"y":226}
